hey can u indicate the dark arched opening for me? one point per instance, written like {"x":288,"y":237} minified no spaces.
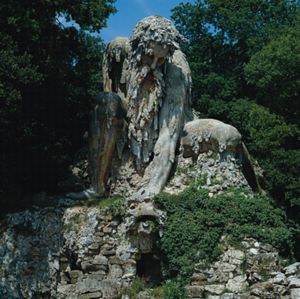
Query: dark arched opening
{"x":149,"y":268}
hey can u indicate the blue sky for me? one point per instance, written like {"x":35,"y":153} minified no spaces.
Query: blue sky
{"x":132,"y":11}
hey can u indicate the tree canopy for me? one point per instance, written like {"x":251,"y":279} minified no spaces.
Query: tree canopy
{"x":244,"y":58}
{"x":48,"y":75}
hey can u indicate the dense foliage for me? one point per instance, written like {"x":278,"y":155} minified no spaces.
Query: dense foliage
{"x":244,"y":58}
{"x":48,"y":75}
{"x":167,"y":290}
{"x":195,"y":224}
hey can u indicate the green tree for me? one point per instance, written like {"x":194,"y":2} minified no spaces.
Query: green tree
{"x":244,"y":58}
{"x":275,"y":73}
{"x":48,"y":76}
{"x":274,"y":143}
{"x":223,"y":36}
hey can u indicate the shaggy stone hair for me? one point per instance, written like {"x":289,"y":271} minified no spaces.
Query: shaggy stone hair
{"x":157,"y":29}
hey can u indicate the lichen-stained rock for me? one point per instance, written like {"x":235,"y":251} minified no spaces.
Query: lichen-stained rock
{"x":295,"y":293}
{"x":292,"y":269}
{"x":237,"y":284}
{"x":59,"y":253}
{"x":220,"y":174}
{"x":204,"y":135}
{"x":68,"y":253}
{"x":29,"y":253}
{"x":215,"y":289}
{"x":246,"y":275}
{"x":195,"y":291}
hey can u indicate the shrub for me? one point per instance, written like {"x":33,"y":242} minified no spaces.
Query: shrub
{"x":195,"y":224}
{"x":137,"y":286}
{"x":113,"y":205}
{"x":172,"y":290}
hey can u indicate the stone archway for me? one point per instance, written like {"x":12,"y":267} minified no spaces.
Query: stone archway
{"x":149,"y":268}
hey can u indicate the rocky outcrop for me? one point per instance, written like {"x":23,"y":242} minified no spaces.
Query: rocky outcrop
{"x":75,"y":252}
{"x":217,"y":175}
{"x":204,"y":135}
{"x":29,"y":252}
{"x":71,"y":251}
{"x":253,"y":271}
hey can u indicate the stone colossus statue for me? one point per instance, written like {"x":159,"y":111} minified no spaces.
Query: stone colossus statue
{"x":144,"y":110}
{"x":145,"y":104}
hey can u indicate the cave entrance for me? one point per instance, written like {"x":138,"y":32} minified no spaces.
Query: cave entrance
{"x":149,"y":268}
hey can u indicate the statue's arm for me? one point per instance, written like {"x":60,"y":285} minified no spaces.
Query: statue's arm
{"x":174,"y":113}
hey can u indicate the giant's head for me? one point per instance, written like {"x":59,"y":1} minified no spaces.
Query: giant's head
{"x":154,"y":40}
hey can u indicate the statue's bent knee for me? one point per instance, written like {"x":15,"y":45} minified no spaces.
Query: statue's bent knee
{"x":107,"y":122}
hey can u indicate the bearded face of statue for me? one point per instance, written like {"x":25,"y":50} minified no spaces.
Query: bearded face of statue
{"x":156,"y":54}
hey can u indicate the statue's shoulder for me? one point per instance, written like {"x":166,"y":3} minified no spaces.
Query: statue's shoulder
{"x":118,"y":46}
{"x":178,"y":59}
{"x":119,"y":41}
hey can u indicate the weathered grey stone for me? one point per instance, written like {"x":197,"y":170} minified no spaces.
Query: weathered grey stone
{"x":269,"y":261}
{"x":94,"y":247}
{"x":130,"y":268}
{"x":257,"y":291}
{"x":253,"y":251}
{"x":88,"y":285}
{"x":66,"y":289}
{"x":94,"y":295}
{"x":295,"y":293}
{"x":263,"y":289}
{"x":280,"y":289}
{"x":115,"y":272}
{"x":225,"y":267}
{"x":87,"y":266}
{"x":107,"y":230}
{"x":228,"y":296}
{"x":198,"y":278}
{"x":108,"y":252}
{"x":151,"y":128}
{"x":293,"y":282}
{"x":234,"y":256}
{"x":100,"y":260}
{"x":116,"y":260}
{"x":110,"y":288}
{"x":74,"y":274}
{"x":237,"y":284}
{"x":195,"y":291}
{"x":202,"y":135}
{"x":98,"y":275}
{"x":267,"y":247}
{"x":128,"y":276}
{"x":216,"y":289}
{"x":292,"y":269}
{"x":280,"y":278}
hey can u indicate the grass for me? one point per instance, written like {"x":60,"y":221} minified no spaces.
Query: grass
{"x":113,"y":205}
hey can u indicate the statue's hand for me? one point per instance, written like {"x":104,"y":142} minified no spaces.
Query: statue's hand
{"x":145,"y":193}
